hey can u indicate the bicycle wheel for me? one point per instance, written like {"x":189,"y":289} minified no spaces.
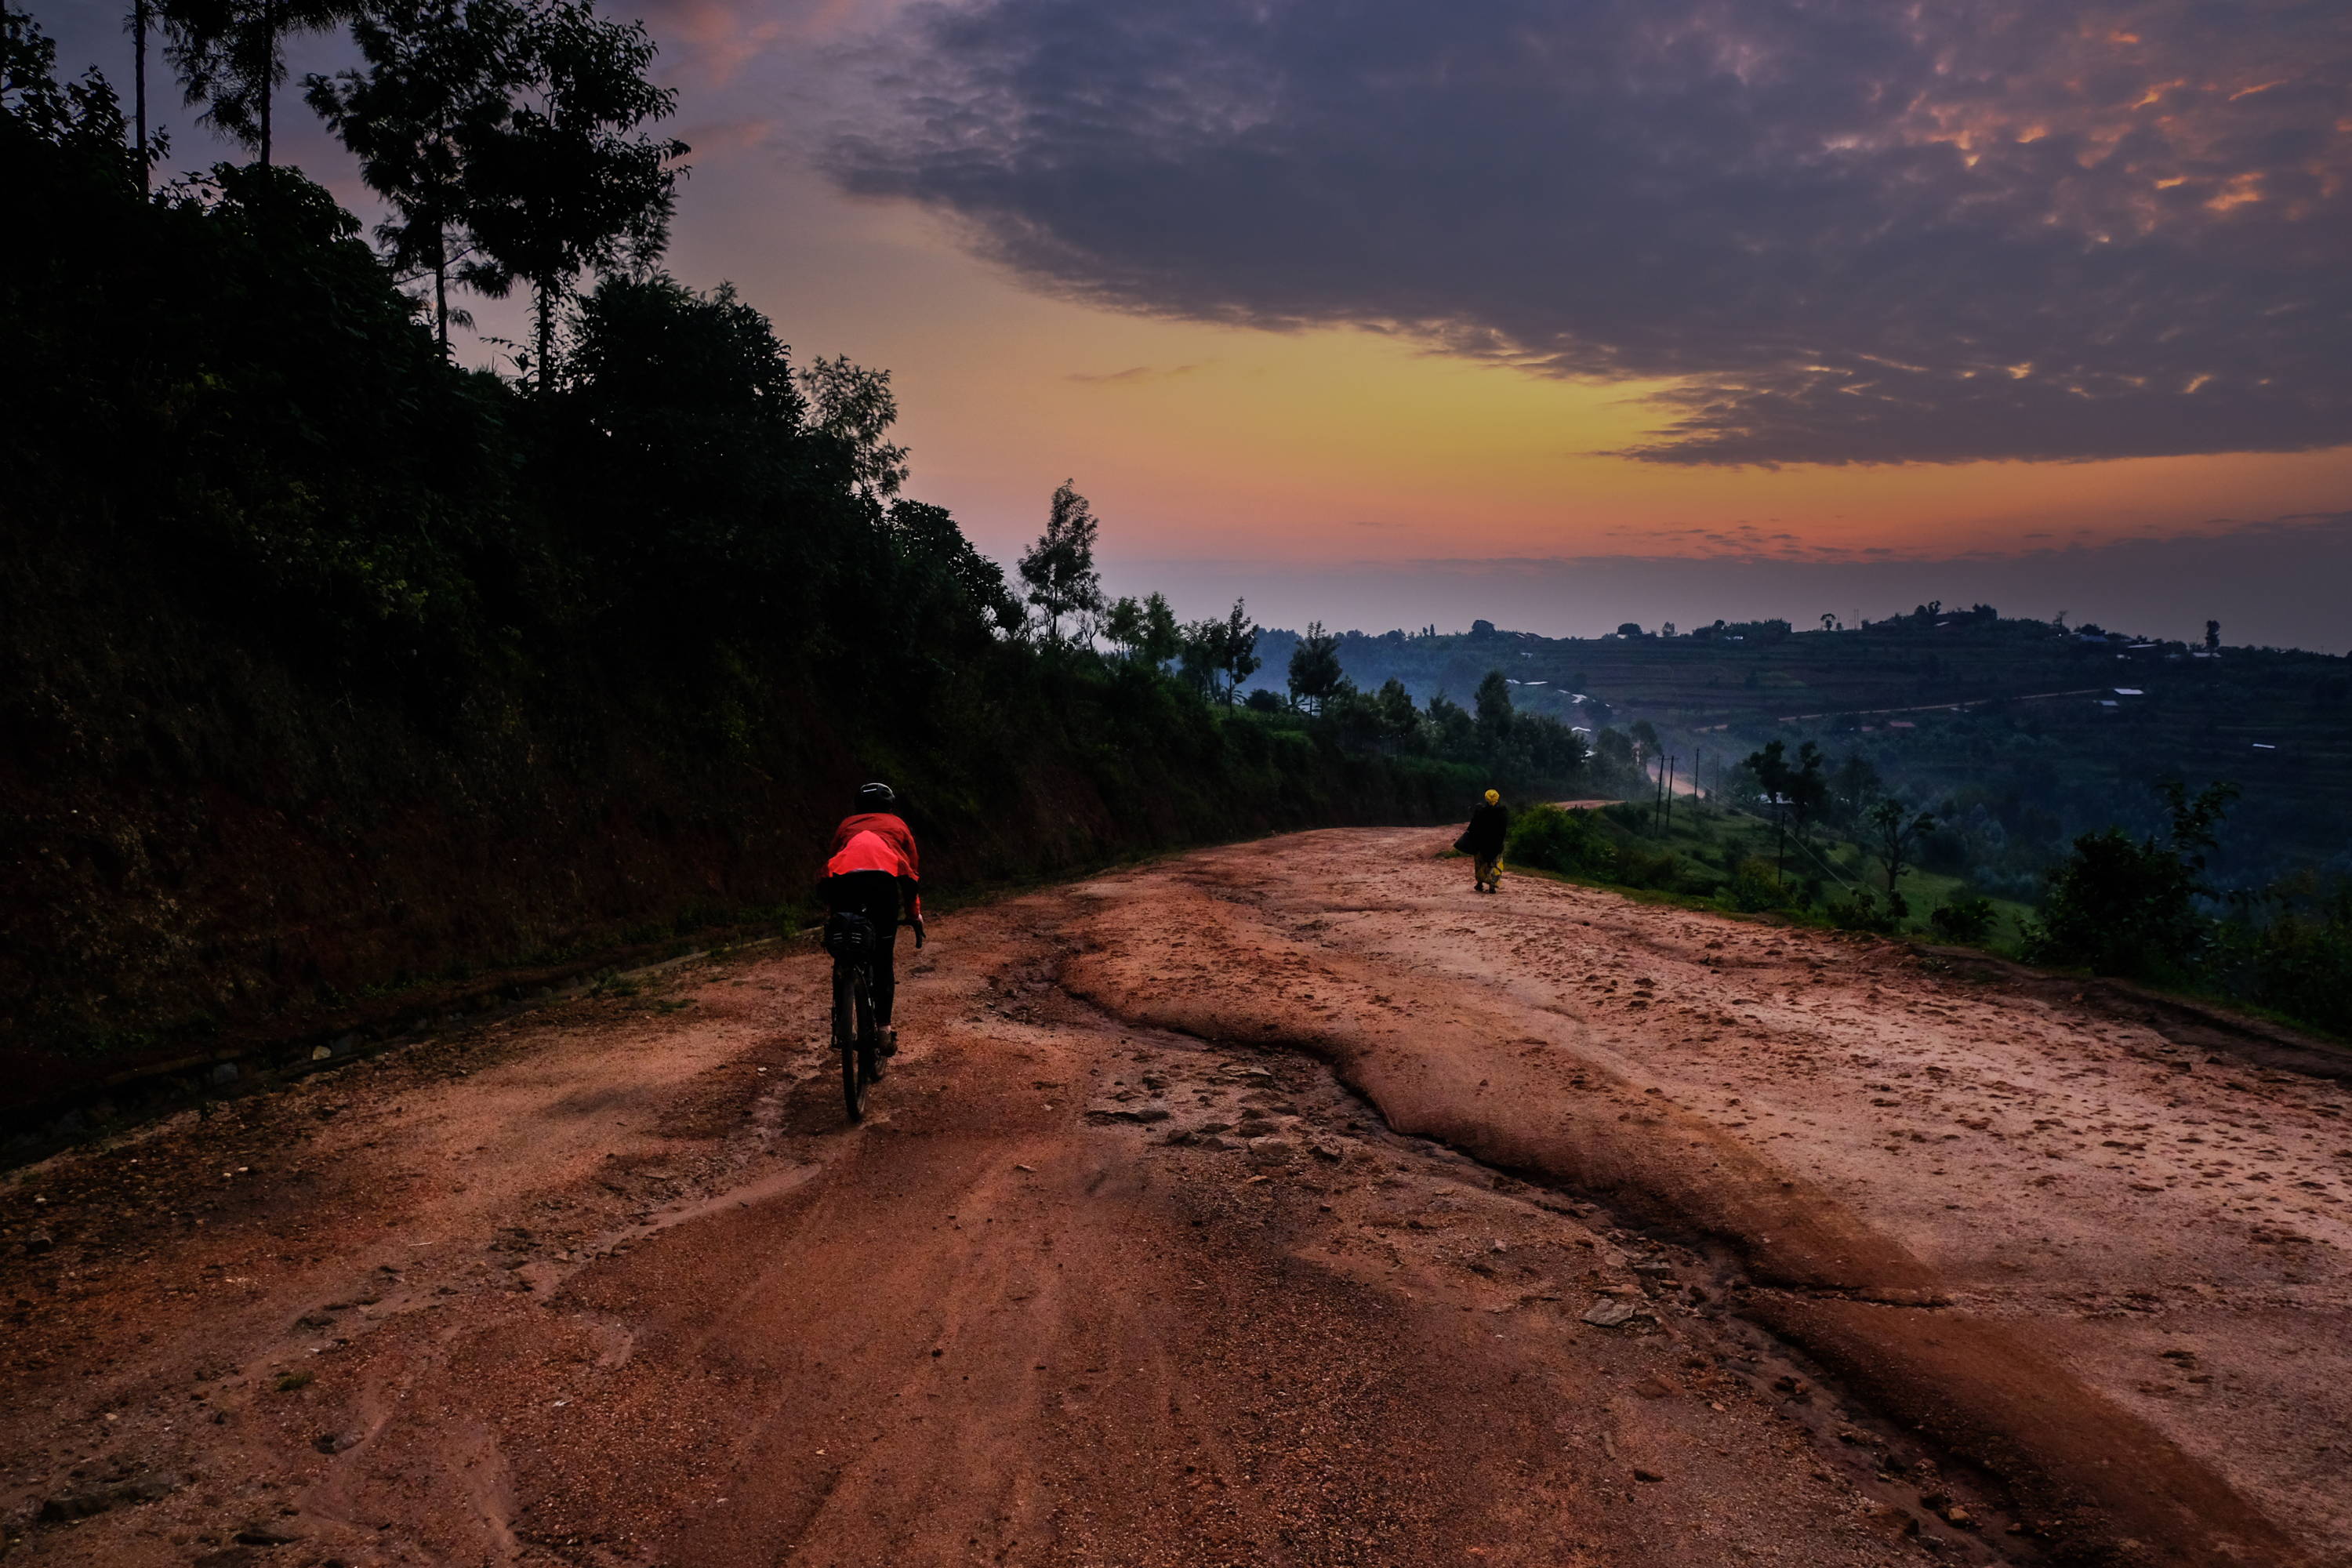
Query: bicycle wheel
{"x":869,"y":1033}
{"x":844,"y":1038}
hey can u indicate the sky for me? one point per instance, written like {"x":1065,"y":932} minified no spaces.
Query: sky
{"x":1561,"y":314}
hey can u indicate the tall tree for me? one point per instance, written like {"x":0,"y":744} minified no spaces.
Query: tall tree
{"x":855,"y":407}
{"x":1494,"y":703}
{"x":141,"y":23}
{"x":1773,"y":777}
{"x":570,"y":181}
{"x":438,"y":87}
{"x":1220,"y":655}
{"x":231,"y":56}
{"x":1895,"y":828}
{"x":1315,"y":673}
{"x":1400,"y":725}
{"x":1808,"y":785}
{"x":1060,"y":567}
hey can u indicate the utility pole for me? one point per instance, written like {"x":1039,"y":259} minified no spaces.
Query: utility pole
{"x":1670,"y":792}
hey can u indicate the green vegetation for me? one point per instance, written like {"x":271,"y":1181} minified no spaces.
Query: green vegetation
{"x":327,"y":667}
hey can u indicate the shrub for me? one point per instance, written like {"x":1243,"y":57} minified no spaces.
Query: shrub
{"x":1570,"y":842}
{"x":1638,"y":867}
{"x":1755,"y":885}
{"x":1964,"y":918}
{"x":2125,"y":906}
{"x":1863,"y":913}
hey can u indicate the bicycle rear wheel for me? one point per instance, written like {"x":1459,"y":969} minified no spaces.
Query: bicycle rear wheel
{"x":845,"y":999}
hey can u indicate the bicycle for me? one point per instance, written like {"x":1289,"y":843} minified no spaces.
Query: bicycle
{"x":853,"y":942}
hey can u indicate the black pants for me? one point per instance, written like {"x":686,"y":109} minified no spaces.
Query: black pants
{"x":874,"y":895}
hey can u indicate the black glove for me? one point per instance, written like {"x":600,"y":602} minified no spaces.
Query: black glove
{"x":919,"y":936}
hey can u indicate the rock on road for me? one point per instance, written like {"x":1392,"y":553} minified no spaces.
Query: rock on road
{"x":1281,"y":1204}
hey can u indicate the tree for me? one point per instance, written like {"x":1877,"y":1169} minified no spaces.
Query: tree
{"x":2120,"y":905}
{"x":1772,"y":774}
{"x":1493,"y":701}
{"x":1829,"y":621}
{"x":1220,"y":655}
{"x":2213,"y":637}
{"x":1060,"y":567}
{"x":142,"y":22}
{"x":1808,"y":787}
{"x":231,"y":56}
{"x":1893,"y":830}
{"x":1852,"y":788}
{"x":1237,"y":648}
{"x":1146,"y":630}
{"x":1400,"y":726}
{"x":1454,"y":731}
{"x":855,"y":407}
{"x":436,"y":88}
{"x":566,"y":181}
{"x":83,"y":118}
{"x":1315,"y":673}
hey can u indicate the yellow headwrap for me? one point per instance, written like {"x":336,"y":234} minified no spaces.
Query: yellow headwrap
{"x":1494,"y":797}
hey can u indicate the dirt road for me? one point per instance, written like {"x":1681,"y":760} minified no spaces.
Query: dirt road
{"x":1284,"y":1204}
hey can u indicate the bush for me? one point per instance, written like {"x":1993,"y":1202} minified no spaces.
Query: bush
{"x":2122,"y":906}
{"x":1863,"y":913}
{"x":1660,"y":870}
{"x":1964,"y":918}
{"x":1755,"y":885}
{"x":2290,"y":948}
{"x":1569,"y":842}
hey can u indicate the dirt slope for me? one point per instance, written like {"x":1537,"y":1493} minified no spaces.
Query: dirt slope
{"x":1284,"y":1204}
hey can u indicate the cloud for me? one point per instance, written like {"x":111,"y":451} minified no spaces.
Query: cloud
{"x":1133,"y":374}
{"x":1841,"y":231}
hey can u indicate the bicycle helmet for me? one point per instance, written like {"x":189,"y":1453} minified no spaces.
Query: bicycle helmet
{"x":876,"y":796}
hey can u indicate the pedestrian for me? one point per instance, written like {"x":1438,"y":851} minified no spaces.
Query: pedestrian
{"x":1483,"y":842}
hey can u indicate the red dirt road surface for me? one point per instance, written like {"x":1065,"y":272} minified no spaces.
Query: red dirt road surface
{"x":1284,"y":1204}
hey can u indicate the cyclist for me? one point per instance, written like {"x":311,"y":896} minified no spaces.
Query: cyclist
{"x":873,"y":871}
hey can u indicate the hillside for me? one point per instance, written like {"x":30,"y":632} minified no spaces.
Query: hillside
{"x":2016,"y":726}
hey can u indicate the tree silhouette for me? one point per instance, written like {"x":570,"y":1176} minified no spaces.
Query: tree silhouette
{"x":1400,"y":725}
{"x":1493,"y":700}
{"x":1808,"y":787}
{"x":1895,"y":828}
{"x":1771,"y":766}
{"x":567,"y":181}
{"x":1220,"y":655}
{"x":140,"y":22}
{"x":1315,"y":674}
{"x":436,"y":88}
{"x":1060,"y":567}
{"x":231,"y":56}
{"x":1145,"y":629}
{"x":856,"y":407}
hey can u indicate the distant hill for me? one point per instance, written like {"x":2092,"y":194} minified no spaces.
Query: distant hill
{"x":2022,"y":732}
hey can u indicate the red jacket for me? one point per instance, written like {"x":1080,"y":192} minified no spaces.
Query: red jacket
{"x":878,"y":841}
